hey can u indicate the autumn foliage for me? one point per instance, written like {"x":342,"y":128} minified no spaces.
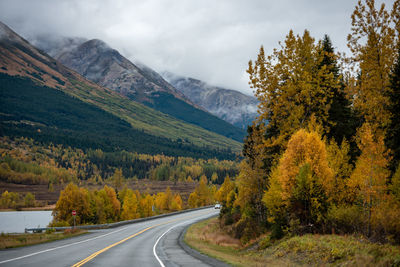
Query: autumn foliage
{"x":322,"y":157}
{"x":203,"y":194}
{"x":105,"y":205}
{"x":302,"y":183}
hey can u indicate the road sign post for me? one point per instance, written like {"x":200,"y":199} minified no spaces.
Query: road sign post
{"x":74,"y":215}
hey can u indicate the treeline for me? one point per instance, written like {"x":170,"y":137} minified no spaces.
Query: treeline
{"x":323,"y":156}
{"x":107,"y":205}
{"x":17,"y":171}
{"x":13,"y":200}
{"x":25,"y":161}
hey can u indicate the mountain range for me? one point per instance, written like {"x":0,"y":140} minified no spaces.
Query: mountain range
{"x":100,"y":63}
{"x":230,"y":105}
{"x":47,"y":101}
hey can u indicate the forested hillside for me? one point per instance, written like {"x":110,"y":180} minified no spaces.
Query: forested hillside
{"x":51,"y":116}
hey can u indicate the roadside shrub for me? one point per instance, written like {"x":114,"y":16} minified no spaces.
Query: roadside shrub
{"x":265,"y":243}
{"x":59,"y":224}
{"x":346,"y":219}
{"x":50,"y":231}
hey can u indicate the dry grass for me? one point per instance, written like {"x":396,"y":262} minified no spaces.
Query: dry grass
{"x":208,"y":238}
{"x":19,"y":240}
{"x":307,"y":250}
{"x":210,"y":234}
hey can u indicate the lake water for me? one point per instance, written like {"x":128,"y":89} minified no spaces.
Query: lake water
{"x":17,"y":221}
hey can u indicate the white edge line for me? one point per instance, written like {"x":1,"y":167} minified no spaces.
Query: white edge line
{"x":64,"y":246}
{"x":158,"y":240}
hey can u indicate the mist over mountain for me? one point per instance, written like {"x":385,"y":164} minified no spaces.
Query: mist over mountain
{"x":55,"y":45}
{"x":100,"y":63}
{"x":230,"y":105}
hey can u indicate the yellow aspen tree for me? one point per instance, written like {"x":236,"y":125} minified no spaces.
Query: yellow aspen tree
{"x":339,"y":162}
{"x":214,"y":177}
{"x":304,"y":148}
{"x":176,"y":203}
{"x":168,"y":198}
{"x":251,"y":183}
{"x":189,"y":179}
{"x":368,"y":180}
{"x":230,"y":199}
{"x":160,"y":201}
{"x":193,"y":200}
{"x":146,"y":206}
{"x":203,"y":192}
{"x":130,"y":207}
{"x":118,"y":179}
{"x":372,"y":42}
{"x":122,"y":193}
{"x":369,"y":177}
{"x":302,"y":181}
{"x":108,"y":206}
{"x":222,"y":194}
{"x":273,"y":198}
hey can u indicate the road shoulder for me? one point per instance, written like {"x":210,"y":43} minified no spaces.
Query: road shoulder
{"x":196,"y":254}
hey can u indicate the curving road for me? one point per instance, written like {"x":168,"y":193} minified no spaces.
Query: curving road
{"x":149,"y":243}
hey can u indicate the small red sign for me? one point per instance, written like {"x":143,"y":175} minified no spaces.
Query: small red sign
{"x":74,"y":213}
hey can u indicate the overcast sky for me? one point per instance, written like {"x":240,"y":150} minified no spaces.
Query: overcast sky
{"x":211,"y":40}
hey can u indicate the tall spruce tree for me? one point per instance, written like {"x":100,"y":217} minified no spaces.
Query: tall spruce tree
{"x":341,"y":119}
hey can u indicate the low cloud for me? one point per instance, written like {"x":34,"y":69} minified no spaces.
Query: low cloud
{"x":208,"y":40}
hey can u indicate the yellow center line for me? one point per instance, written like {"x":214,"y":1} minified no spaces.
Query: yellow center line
{"x":110,"y":246}
{"x":82,"y":262}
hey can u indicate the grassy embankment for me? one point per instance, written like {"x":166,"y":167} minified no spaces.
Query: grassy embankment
{"x":315,"y":250}
{"x":19,"y":240}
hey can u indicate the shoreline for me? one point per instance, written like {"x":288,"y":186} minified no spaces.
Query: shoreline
{"x":44,"y":208}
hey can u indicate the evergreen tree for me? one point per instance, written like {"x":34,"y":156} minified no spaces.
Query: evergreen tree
{"x":393,"y":135}
{"x":341,"y":119}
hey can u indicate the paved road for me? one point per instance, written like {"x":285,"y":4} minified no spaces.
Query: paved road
{"x":149,"y":243}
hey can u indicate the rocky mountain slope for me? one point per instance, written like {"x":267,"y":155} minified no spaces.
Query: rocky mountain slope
{"x":24,"y":67}
{"x":105,"y":66}
{"x":230,"y":105}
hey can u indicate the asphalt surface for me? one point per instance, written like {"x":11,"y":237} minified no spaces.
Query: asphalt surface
{"x":150,"y":243}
